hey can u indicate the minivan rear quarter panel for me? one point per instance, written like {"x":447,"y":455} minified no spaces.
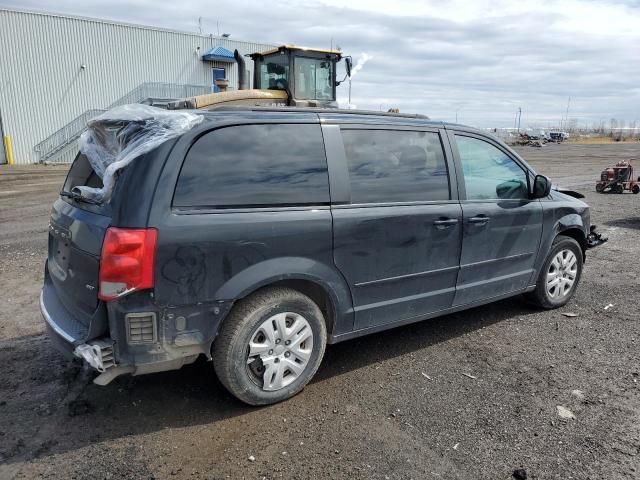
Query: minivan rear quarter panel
{"x":208,"y":257}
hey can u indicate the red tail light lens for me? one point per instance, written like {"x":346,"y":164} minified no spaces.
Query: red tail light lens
{"x":127,"y":261}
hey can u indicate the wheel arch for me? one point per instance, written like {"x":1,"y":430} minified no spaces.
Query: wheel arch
{"x":578,"y":235}
{"x":316,"y":292}
{"x":570,"y":224}
{"x":323,"y":284}
{"x":573,"y":229}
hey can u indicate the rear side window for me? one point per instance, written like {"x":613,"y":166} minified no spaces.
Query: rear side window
{"x":395,"y":166}
{"x":255,"y":166}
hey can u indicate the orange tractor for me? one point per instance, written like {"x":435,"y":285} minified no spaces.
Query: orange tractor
{"x":618,"y":178}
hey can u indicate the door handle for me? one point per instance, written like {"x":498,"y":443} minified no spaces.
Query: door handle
{"x":445,"y":222}
{"x":481,"y":219}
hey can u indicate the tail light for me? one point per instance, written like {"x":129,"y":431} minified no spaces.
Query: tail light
{"x":127,"y":261}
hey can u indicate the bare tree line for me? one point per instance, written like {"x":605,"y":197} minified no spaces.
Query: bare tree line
{"x":618,"y":130}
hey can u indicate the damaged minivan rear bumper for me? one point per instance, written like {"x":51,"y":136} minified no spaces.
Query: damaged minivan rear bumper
{"x":67,"y":334}
{"x":100,"y":354}
{"x":114,"y":351}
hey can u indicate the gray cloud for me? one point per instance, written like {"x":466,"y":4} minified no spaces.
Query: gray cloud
{"x":485,"y":67}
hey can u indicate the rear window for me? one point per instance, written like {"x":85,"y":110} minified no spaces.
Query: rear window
{"x":395,"y":166}
{"x":255,"y":166}
{"x":81,"y":173}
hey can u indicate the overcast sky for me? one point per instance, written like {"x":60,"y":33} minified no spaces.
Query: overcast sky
{"x":481,"y":58}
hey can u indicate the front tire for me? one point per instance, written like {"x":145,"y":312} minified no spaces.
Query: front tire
{"x":270,"y":346}
{"x":560,"y":274}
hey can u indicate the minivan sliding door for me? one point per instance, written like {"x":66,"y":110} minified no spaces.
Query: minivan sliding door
{"x":397,"y":238}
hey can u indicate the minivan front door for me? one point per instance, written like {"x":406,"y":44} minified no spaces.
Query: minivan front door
{"x":397,"y":241}
{"x":502,"y":226}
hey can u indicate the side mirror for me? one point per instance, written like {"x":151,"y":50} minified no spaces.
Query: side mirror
{"x":348,"y":63}
{"x":541,"y":187}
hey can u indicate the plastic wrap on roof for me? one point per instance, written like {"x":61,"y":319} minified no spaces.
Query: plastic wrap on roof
{"x":117,"y":137}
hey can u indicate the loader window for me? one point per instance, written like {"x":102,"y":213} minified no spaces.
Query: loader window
{"x":314,"y":79}
{"x":273,"y":72}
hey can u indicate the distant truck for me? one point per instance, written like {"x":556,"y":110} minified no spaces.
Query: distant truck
{"x":537,"y":135}
{"x":558,"y":136}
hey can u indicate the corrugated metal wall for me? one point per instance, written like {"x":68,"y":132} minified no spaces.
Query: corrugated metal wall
{"x":42,"y":84}
{"x":3,"y":153}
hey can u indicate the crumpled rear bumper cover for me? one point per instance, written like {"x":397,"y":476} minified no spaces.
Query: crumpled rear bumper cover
{"x":67,"y":336}
{"x":594,"y":238}
{"x":100,"y":353}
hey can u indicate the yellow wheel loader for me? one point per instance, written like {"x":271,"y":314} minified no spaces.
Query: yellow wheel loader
{"x":284,"y":76}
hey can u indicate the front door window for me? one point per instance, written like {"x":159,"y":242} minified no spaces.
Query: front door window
{"x":489,"y":173}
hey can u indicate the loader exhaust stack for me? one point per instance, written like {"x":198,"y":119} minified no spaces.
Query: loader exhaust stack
{"x":243,"y":81}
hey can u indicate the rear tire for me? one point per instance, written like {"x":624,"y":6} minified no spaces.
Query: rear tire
{"x":635,"y":189}
{"x":270,"y":346}
{"x":560,"y":274}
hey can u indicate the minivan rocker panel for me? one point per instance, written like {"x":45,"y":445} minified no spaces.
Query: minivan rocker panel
{"x":259,"y":236}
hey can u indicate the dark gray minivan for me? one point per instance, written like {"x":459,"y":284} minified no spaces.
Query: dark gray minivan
{"x":260,"y":235}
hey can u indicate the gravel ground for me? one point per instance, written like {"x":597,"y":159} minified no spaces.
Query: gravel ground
{"x":472,"y":395}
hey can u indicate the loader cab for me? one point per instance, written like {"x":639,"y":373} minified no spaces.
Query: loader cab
{"x":307,"y":75}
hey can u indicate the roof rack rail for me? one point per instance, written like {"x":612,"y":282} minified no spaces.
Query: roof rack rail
{"x":319,"y":110}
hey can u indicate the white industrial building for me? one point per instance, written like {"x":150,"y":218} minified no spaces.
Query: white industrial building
{"x":57,"y":72}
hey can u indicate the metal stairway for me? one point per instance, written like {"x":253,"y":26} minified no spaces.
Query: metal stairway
{"x":50,"y":149}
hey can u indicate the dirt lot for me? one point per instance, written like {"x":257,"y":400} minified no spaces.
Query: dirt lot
{"x":391,"y":405}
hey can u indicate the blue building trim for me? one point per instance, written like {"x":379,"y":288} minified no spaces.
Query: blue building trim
{"x":219,"y":54}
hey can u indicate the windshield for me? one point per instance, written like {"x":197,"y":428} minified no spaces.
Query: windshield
{"x":313,"y":79}
{"x":273,"y":72}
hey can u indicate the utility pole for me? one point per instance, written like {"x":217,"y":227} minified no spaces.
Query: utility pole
{"x":519,"y":117}
{"x":349,"y":90}
{"x":564,"y":120}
